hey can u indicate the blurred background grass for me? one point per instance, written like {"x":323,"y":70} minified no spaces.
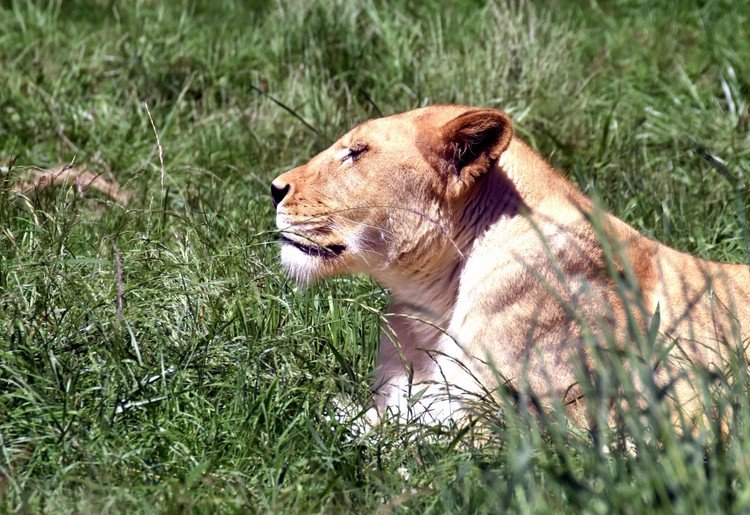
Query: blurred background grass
{"x":210,"y":391}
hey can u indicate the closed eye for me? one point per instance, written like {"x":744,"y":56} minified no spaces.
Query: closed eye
{"x":354,"y":152}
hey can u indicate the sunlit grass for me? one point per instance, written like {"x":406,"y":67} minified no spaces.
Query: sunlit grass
{"x":211,"y":389}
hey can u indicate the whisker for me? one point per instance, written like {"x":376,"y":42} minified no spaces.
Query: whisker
{"x":338,"y":212}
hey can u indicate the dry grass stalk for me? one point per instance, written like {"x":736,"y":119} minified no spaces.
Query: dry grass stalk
{"x":82,"y":179}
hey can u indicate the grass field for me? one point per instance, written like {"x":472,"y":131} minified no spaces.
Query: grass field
{"x":154,"y":357}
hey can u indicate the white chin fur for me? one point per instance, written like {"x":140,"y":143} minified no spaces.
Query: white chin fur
{"x":303,"y":268}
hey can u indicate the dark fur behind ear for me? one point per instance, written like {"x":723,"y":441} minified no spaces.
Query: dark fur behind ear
{"x":474,"y":141}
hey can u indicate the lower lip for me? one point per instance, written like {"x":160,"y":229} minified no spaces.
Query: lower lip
{"x":322,"y":252}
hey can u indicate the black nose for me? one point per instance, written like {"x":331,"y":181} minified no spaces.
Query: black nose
{"x":278,"y":193}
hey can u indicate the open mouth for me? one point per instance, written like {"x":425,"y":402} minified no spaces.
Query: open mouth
{"x":328,"y":251}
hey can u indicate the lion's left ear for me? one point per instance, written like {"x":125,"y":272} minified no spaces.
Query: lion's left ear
{"x":473,"y":142}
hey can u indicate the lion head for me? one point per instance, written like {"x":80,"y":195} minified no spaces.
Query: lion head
{"x":389,"y":195}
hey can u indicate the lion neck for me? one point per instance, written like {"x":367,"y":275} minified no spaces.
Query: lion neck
{"x":430,"y":283}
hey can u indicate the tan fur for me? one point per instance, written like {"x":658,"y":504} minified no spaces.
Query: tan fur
{"x":493,"y":263}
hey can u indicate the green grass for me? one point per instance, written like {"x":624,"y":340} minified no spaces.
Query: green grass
{"x":210,"y":391}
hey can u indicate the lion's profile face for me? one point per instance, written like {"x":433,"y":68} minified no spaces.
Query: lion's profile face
{"x":383,"y":195}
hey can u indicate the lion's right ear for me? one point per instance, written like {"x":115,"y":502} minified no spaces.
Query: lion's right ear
{"x":473,"y":142}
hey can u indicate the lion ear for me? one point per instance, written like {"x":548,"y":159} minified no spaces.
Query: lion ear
{"x":474,"y":141}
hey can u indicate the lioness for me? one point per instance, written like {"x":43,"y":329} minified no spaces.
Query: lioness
{"x":498,"y":266}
